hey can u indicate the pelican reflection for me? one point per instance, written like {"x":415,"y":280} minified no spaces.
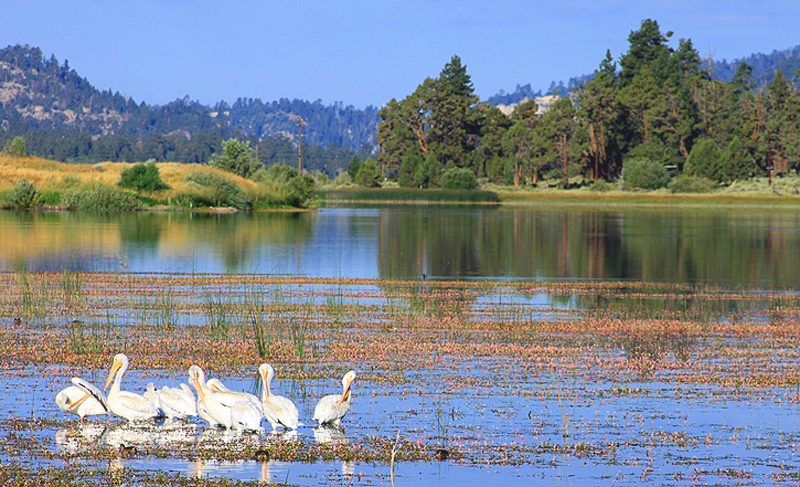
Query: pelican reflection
{"x":328,"y":434}
{"x":79,"y":437}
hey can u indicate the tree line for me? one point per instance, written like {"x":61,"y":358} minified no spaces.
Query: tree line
{"x":62,"y":116}
{"x":658,"y":107}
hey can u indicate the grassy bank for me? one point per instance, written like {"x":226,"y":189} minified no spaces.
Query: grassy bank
{"x":407,"y":195}
{"x":782,"y":194}
{"x":60,"y":185}
{"x":190,"y":186}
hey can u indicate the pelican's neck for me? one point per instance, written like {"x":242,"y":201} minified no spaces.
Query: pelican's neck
{"x":267,"y":390}
{"x":117,"y":384}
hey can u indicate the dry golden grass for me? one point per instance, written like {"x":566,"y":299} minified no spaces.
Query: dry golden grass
{"x":53,"y":176}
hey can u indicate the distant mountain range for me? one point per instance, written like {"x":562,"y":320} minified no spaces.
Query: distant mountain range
{"x":764,"y":68}
{"x":38,"y":93}
{"x":42,"y":94}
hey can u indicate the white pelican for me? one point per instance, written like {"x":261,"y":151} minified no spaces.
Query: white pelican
{"x":216,"y":385}
{"x":223,"y":408}
{"x":333,"y":407}
{"x":278,"y":410}
{"x":129,"y":405}
{"x":174,"y":402}
{"x":151,"y":393}
{"x":82,"y":398}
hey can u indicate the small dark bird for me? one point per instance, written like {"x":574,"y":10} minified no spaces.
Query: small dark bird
{"x":441,"y":454}
{"x":127,"y":451}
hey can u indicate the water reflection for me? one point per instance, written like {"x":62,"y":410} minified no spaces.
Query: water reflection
{"x":732,"y":248}
{"x":217,"y":437}
{"x":80,"y":437}
{"x":330,"y":435}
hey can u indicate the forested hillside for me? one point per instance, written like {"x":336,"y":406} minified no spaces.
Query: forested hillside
{"x":764,"y":68}
{"x":655,"y":117}
{"x":62,"y":116}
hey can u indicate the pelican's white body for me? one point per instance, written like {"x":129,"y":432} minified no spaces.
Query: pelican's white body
{"x":126,"y":404}
{"x":82,"y":398}
{"x":279,"y":410}
{"x":333,"y":407}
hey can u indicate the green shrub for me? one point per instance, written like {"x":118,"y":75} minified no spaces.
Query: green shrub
{"x":15,"y":147}
{"x":691,"y":184}
{"x":601,"y":186}
{"x":301,"y":191}
{"x":142,"y":177}
{"x":101,"y":198}
{"x":222,"y":192}
{"x":24,"y":195}
{"x":428,"y":173}
{"x":642,"y":173}
{"x":408,"y":169}
{"x":459,"y":178}
{"x":237,"y":157}
{"x":705,"y":160}
{"x":280,"y":174}
{"x":369,"y":175}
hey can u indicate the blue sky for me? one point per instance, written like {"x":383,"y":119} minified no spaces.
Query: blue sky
{"x":366,"y":52}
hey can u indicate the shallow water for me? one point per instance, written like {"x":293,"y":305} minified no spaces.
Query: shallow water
{"x":497,"y":371}
{"x":515,"y":424}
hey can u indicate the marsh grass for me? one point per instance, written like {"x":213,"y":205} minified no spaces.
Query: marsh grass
{"x":218,"y":320}
{"x":410,"y":195}
{"x":260,"y":324}
{"x":336,"y":305}
{"x":647,"y":345}
{"x":35,"y":295}
{"x":443,"y":422}
{"x":86,"y":338}
{"x":71,"y":285}
{"x":280,"y":320}
{"x":300,"y":338}
{"x":167,"y":306}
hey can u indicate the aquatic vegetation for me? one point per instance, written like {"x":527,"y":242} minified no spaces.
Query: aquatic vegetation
{"x":510,"y":374}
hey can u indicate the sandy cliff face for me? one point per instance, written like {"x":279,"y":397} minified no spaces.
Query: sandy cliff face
{"x":544,"y":103}
{"x":39,"y":96}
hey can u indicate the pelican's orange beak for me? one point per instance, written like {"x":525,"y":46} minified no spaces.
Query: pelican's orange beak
{"x":346,"y":392}
{"x":196,"y":384}
{"x":76,"y":403}
{"x":263,"y":374}
{"x":111,"y":373}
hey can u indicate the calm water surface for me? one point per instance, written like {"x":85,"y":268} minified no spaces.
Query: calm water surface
{"x":734,"y":249}
{"x":721,"y":436}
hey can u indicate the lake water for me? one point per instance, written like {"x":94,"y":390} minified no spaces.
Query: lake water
{"x":733,"y":249}
{"x":538,"y":397}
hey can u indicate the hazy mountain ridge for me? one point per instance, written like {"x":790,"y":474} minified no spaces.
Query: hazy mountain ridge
{"x":764,"y":68}
{"x":39,"y":94}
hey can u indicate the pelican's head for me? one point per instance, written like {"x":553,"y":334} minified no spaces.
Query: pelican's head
{"x":347,"y":381}
{"x":266,"y":371}
{"x":197,"y":378}
{"x":216,"y":385}
{"x":120,"y":362}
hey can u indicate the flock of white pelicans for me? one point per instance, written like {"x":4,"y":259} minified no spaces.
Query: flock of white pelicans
{"x":215,"y":403}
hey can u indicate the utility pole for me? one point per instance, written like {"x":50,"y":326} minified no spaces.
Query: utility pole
{"x":300,"y":145}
